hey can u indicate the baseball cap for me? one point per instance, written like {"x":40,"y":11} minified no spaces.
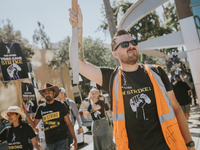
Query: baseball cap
{"x":177,"y":76}
{"x":62,"y":90}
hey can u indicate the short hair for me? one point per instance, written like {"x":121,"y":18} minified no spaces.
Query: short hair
{"x":118,"y":33}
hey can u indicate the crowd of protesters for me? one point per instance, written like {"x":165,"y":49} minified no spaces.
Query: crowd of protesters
{"x":145,"y":106}
{"x":146,"y":113}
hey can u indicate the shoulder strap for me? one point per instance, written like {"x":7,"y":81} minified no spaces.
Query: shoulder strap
{"x":154,"y":68}
{"x":66,"y":104}
{"x":112,"y":77}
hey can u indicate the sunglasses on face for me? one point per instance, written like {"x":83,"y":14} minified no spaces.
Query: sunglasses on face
{"x":125,"y":44}
{"x":48,"y":92}
{"x":10,"y":114}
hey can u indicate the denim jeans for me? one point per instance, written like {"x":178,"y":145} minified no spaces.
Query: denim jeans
{"x":60,"y":145}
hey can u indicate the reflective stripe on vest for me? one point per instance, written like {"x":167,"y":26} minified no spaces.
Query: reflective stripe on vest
{"x":170,"y":115}
{"x":167,"y":118}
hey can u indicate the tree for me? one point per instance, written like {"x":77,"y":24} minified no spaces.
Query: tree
{"x":41,"y":37}
{"x":171,"y":21}
{"x":147,"y":28}
{"x":111,"y":22}
{"x":93,"y":49}
{"x":9,"y":35}
{"x":110,"y":18}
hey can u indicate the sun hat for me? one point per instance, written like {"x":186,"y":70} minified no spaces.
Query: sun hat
{"x":15,"y":109}
{"x":62,"y":90}
{"x":49,"y":86}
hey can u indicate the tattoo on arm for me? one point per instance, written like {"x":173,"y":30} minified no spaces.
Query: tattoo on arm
{"x":80,"y":52}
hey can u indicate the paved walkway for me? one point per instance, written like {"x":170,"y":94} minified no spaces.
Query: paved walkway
{"x":194,"y":125}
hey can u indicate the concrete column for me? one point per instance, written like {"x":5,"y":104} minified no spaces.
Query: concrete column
{"x":192,"y":45}
{"x":191,"y":40}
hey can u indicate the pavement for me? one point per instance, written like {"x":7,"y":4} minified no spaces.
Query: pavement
{"x":193,"y":124}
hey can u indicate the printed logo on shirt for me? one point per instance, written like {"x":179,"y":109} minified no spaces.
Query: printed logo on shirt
{"x":14,"y":137}
{"x":97,"y":114}
{"x":139,"y":101}
{"x":136,"y":91}
{"x":51,"y":116}
{"x":51,"y":124}
{"x":124,"y":86}
{"x":46,"y":112}
{"x":15,"y":147}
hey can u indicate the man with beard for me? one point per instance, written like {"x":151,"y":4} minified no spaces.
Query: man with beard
{"x":164,"y":125}
{"x":55,"y":117}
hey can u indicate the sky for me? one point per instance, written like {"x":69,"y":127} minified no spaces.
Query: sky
{"x":53,"y":14}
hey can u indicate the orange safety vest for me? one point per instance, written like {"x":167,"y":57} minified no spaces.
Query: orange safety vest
{"x":166,"y":115}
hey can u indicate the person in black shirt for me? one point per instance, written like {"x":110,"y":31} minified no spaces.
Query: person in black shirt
{"x":55,"y":117}
{"x":182,"y":91}
{"x":73,"y":113}
{"x":102,"y":136}
{"x":18,"y":133}
{"x":137,"y":125}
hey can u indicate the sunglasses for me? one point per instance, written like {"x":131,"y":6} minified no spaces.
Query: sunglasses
{"x":10,"y":114}
{"x":125,"y":44}
{"x":48,"y":92}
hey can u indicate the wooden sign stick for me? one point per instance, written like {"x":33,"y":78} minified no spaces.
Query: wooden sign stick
{"x":75,"y":47}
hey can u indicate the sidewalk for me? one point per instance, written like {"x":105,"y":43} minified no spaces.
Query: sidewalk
{"x":194,"y":127}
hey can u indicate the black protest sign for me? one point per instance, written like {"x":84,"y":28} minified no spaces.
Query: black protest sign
{"x":32,"y":74}
{"x":13,"y":65}
{"x":28,"y":96}
{"x":176,"y":66}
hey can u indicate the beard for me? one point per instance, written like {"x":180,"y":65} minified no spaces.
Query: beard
{"x":130,"y":59}
{"x":48,"y":98}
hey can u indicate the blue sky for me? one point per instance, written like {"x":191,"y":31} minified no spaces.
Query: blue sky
{"x":53,"y":14}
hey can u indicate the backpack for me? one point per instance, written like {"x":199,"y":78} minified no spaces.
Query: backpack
{"x":67,"y":105}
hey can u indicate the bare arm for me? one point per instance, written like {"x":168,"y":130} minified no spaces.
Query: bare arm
{"x":190,"y":92}
{"x":88,"y":70}
{"x":71,"y":130}
{"x":107,"y":111}
{"x":180,"y":118}
{"x":36,"y":143}
{"x":85,"y":113}
{"x":30,"y":121}
{"x":76,"y":114}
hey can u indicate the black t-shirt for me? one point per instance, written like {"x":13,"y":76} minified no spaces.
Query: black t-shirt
{"x":106,"y":107}
{"x":142,"y":123}
{"x":97,"y":114}
{"x":18,"y":136}
{"x":55,"y":127}
{"x":181,"y":92}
